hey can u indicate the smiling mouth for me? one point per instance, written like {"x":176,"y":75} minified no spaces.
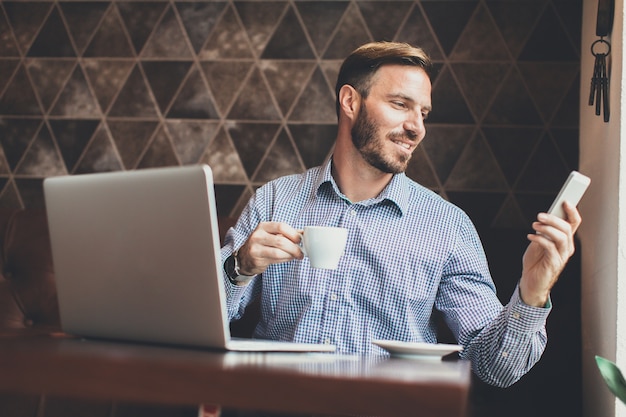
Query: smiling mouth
{"x":403,"y":144}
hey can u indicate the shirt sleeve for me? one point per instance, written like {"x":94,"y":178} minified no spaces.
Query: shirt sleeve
{"x":239,"y":296}
{"x":502,"y":342}
{"x":511,"y":344}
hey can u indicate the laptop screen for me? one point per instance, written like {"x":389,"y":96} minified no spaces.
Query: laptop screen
{"x":136,"y":255}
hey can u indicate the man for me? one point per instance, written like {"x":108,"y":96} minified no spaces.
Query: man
{"x":409,"y":251}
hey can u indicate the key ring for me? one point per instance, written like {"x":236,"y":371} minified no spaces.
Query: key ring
{"x":601,"y":41}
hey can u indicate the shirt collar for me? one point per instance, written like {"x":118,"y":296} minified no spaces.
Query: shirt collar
{"x":396,"y":192}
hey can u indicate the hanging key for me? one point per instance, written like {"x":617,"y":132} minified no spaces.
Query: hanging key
{"x":604,"y":84}
{"x":599,"y":90}
{"x":600,"y":63}
{"x":595,"y":81}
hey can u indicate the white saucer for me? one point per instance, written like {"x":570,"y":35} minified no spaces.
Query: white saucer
{"x":417,"y":350}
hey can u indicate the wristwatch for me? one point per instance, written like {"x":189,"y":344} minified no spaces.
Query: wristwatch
{"x":231,"y":267}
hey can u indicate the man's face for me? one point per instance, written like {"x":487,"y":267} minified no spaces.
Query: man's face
{"x":390,"y":122}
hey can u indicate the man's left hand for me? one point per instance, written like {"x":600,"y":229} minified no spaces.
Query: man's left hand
{"x":550,"y":248}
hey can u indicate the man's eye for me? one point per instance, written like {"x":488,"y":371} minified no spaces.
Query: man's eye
{"x":399,"y":104}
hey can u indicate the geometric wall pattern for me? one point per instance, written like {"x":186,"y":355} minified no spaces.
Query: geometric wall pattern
{"x":247,"y":87}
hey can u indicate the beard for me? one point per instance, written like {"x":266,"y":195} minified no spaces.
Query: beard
{"x":366,"y":139}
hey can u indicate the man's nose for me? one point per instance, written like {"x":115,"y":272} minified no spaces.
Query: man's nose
{"x":414,"y":126}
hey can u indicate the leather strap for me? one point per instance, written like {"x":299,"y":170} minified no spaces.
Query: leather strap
{"x":604,"y":22}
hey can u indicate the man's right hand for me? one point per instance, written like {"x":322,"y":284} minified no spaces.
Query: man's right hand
{"x":270,"y":243}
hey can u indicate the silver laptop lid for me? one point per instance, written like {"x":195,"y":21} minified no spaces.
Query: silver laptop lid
{"x":136,"y":255}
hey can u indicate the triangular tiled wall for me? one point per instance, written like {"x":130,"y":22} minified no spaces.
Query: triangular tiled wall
{"x":247,"y":86}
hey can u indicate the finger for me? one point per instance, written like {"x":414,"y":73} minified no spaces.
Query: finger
{"x":256,"y":256}
{"x":269,"y":242}
{"x":279,"y":228}
{"x":266,"y":255}
{"x":554,"y":221}
{"x":573,"y":216}
{"x":285,"y":245}
{"x":552,"y":239}
{"x":548,"y":223}
{"x":549,"y":259}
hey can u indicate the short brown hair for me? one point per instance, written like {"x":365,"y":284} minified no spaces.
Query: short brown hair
{"x":359,"y":67}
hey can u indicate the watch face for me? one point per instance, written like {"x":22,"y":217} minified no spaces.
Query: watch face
{"x":229,"y":267}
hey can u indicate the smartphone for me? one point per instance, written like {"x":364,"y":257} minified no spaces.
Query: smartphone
{"x":572,"y":191}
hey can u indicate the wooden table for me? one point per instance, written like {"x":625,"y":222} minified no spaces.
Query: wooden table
{"x":281,"y":382}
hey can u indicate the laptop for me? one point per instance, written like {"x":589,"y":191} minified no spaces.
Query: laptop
{"x":137,"y":257}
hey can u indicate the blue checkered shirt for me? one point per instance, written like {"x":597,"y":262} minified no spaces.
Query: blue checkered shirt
{"x":409,"y":252}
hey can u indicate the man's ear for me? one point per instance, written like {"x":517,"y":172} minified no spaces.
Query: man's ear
{"x":349,"y":101}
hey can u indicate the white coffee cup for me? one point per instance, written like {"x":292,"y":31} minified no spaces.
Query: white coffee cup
{"x":324,"y":245}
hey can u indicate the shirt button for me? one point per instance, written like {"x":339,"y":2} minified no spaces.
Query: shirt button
{"x":327,"y":341}
{"x":516,"y":315}
{"x":333,"y":297}
{"x":353,"y":213}
{"x":505,"y":354}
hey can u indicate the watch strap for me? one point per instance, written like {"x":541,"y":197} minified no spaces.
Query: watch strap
{"x":231,"y":267}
